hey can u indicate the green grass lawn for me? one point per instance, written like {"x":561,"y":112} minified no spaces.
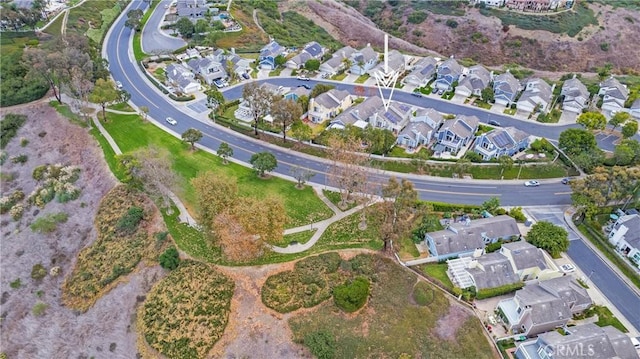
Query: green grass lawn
{"x":605,"y":317}
{"x":122,"y":106}
{"x":55,"y":28}
{"x":108,"y":16}
{"x":362,"y":78}
{"x":339,"y":77}
{"x":302,"y":206}
{"x":392,"y":324}
{"x":347,"y":231}
{"x":437,"y":272}
{"x":509,"y":111}
{"x":336,"y":197}
{"x":300,"y":237}
{"x":92,"y":18}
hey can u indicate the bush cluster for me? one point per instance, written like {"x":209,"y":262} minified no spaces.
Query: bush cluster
{"x":351,"y":296}
{"x":169,"y":259}
{"x":128,"y":223}
{"x":321,"y":344}
{"x":9,"y":126}
{"x":38,"y":271}
{"x":55,"y":181}
{"x":49,"y":222}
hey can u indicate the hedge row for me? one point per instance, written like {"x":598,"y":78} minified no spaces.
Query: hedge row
{"x":494,"y":292}
{"x":449,"y":207}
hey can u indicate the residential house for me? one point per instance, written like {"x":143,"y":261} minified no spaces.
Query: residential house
{"x":456,"y":133}
{"x":447,"y":74}
{"x":515,"y":262}
{"x":422,"y":73}
{"x":535,"y":5}
{"x":496,"y":3}
{"x":537,"y":96}
{"x":359,"y":114}
{"x":207,"y":68}
{"x":395,"y":62}
{"x":268,"y":54}
{"x":584,"y":340}
{"x":420,"y":129}
{"x":296,"y":93}
{"x":239,"y":65}
{"x":182,"y":79}
{"x":490,"y":270}
{"x":336,"y":63}
{"x":476,"y":80}
{"x":363,"y":60}
{"x":529,"y":262}
{"x":505,"y":89}
{"x":312,"y":50}
{"x":463,"y":238}
{"x":575,"y":95}
{"x":625,"y":235}
{"x":328,"y":105}
{"x":501,"y":142}
{"x":544,"y":306}
{"x":635,"y":109}
{"x":394,"y":119}
{"x":191,"y":9}
{"x":614,"y":94}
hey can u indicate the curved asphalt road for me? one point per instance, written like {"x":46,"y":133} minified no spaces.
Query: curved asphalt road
{"x":154,"y":40}
{"x":123,"y":68}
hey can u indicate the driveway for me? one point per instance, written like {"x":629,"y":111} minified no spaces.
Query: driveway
{"x":350,"y":78}
{"x":606,"y":141}
{"x":155,"y":40}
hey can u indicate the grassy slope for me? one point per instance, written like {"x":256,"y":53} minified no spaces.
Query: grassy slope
{"x":302,"y":206}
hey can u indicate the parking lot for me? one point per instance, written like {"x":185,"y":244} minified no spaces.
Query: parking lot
{"x":554,"y":215}
{"x":199,"y":106}
{"x":606,"y":141}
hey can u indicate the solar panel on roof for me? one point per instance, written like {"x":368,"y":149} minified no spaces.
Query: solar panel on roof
{"x":502,"y":140}
{"x":391,"y":117}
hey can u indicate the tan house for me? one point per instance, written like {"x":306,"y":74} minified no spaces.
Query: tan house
{"x":328,"y":105}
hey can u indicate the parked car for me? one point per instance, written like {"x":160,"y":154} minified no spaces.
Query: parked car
{"x":172,"y":121}
{"x":434,"y":90}
{"x":567,"y":268}
{"x":441,"y":92}
{"x":494,"y":123}
{"x":303,"y":78}
{"x":417,"y":94}
{"x":119,"y":84}
{"x":531,"y":184}
{"x":567,"y":180}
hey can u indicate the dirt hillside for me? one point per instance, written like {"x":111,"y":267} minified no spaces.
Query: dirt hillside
{"x":485,"y":40}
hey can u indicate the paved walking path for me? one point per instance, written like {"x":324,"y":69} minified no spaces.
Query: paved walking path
{"x":320,"y":228}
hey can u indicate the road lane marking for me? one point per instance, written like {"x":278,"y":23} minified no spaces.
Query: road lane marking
{"x":461,"y":193}
{"x":562,"y":193}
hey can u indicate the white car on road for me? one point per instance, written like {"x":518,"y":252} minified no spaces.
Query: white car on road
{"x":172,"y":121}
{"x":303,"y":78}
{"x":119,"y":84}
{"x":531,"y":184}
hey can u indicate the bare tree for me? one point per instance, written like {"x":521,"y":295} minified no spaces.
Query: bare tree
{"x":153,"y":169}
{"x":259,"y":100}
{"x":347,"y":171}
{"x":284,"y":113}
{"x":302,"y":175}
{"x":145,"y":112}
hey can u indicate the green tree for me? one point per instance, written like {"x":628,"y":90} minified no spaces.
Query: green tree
{"x":301,"y":130}
{"x":225,"y":151}
{"x":629,"y":129}
{"x":575,"y":141}
{"x":633,"y":146}
{"x":312,"y":65}
{"x":304,"y":103}
{"x":263,"y":162}
{"x":380,"y":141}
{"x":603,"y":186}
{"x":320,"y":89}
{"x":491,"y":205}
{"x":280,"y":60}
{"x":185,"y":27}
{"x":487,"y":95}
{"x":351,"y":296}
{"x":214,"y":98}
{"x":169,"y":259}
{"x":548,"y":236}
{"x":506,"y":163}
{"x":592,"y":120}
{"x":104,"y":92}
{"x":201,"y":26}
{"x":589,"y":159}
{"x":618,"y":119}
{"x":192,"y":136}
{"x":134,"y":19}
{"x":623,"y":155}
